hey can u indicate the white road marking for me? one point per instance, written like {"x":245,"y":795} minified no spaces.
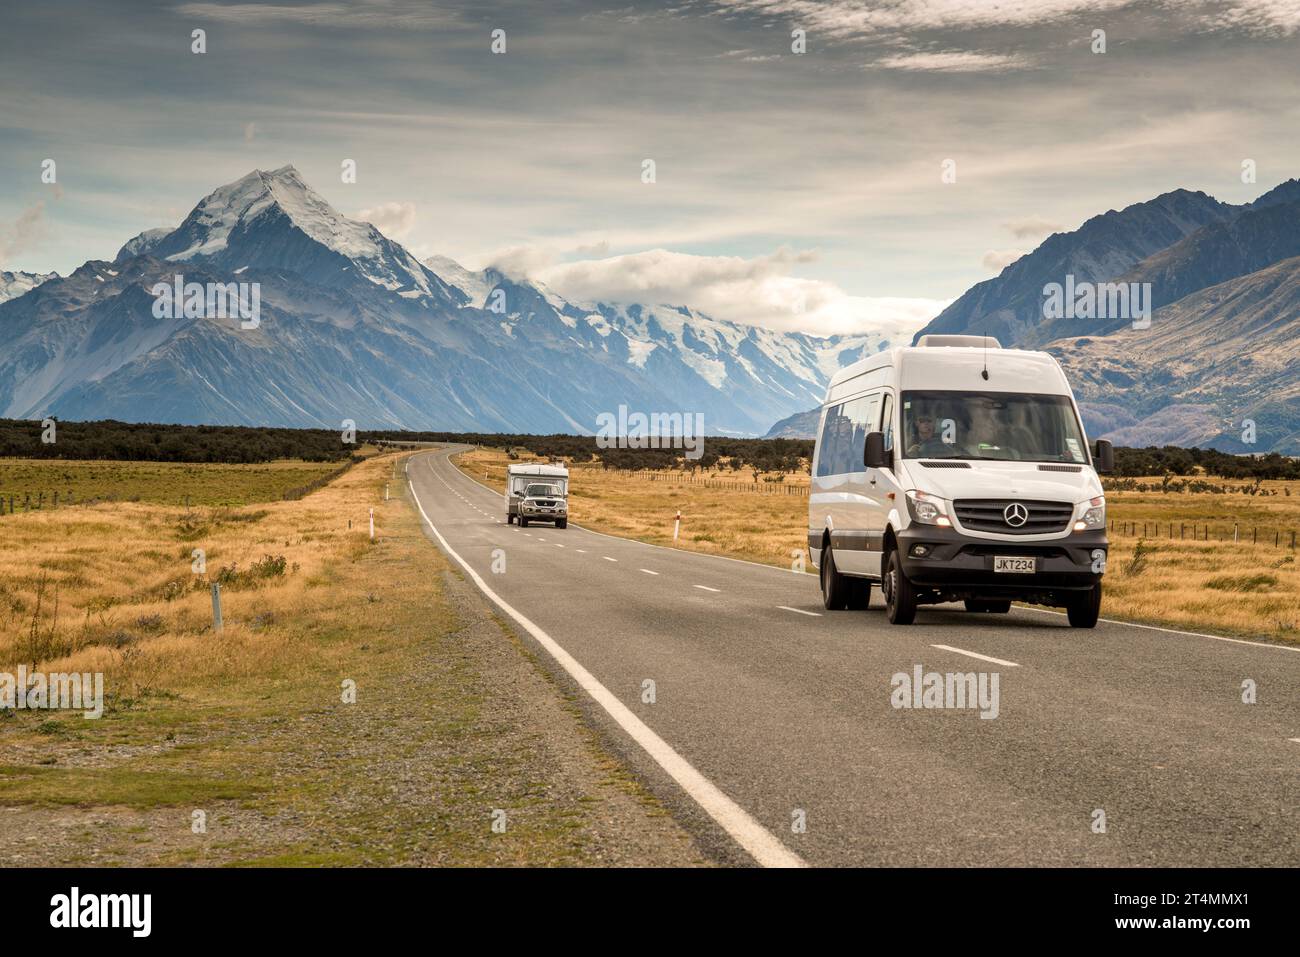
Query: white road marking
{"x":1296,"y":740}
{"x":756,"y":840}
{"x":973,"y":654}
{"x":608,"y":559}
{"x":800,"y":611}
{"x":583,"y":551}
{"x":707,"y":588}
{"x":558,"y":545}
{"x":649,"y":572}
{"x":1175,"y":631}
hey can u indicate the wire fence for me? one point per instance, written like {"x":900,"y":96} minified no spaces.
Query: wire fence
{"x":1206,"y":532}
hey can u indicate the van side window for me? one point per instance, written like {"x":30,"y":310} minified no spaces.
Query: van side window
{"x":844,"y":436}
{"x":887,"y":421}
{"x":832,"y":450}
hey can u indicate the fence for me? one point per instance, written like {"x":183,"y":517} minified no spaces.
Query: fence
{"x":1206,"y":532}
{"x":759,"y":488}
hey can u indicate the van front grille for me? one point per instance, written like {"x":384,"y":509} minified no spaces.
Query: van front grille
{"x":990,"y":515}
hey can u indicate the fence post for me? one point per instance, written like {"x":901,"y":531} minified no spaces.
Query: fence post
{"x":1234,"y":532}
{"x":216,"y":606}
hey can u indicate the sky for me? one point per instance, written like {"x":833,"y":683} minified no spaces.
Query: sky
{"x":912,"y":149}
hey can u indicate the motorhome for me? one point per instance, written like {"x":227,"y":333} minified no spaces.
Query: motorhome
{"x":537,"y":492}
{"x":957,"y":471}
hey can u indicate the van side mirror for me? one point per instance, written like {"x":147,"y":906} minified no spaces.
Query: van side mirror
{"x":1105,"y":457}
{"x":874,"y":454}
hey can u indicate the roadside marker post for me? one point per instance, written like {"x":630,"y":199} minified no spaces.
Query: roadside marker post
{"x":216,"y":606}
{"x":677,"y":525}
{"x":372,"y":524}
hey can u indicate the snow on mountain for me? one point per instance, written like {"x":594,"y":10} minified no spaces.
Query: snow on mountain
{"x":15,"y":284}
{"x":788,"y":369}
{"x":275,"y":220}
{"x":352,"y":326}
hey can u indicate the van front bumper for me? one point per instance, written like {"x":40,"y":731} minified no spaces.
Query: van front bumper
{"x":961,"y":566}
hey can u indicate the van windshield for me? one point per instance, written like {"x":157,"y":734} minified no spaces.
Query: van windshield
{"x":542,"y":491}
{"x":991,"y":425}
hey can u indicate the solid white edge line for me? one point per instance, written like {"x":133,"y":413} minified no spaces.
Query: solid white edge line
{"x":1174,"y":631}
{"x":800,"y":611}
{"x":755,"y":839}
{"x":974,"y":654}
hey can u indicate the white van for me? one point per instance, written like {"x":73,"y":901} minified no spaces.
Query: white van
{"x":537,"y":492}
{"x":956,"y":470}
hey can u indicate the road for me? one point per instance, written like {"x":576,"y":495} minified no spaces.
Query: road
{"x":772,"y":736}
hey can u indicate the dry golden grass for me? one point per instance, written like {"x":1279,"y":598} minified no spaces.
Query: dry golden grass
{"x":110,"y":587}
{"x":1221,"y":586}
{"x":762,"y":527}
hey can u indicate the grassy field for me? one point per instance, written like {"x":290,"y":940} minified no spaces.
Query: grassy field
{"x":451,"y":719}
{"x":169,"y":483}
{"x":1233,"y":588}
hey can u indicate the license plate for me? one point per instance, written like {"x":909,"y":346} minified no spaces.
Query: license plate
{"x":1021,"y":566}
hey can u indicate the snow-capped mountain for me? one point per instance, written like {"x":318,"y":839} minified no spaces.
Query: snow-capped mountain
{"x":697,"y":355}
{"x":353,"y":326}
{"x":15,"y":284}
{"x":276,"y":221}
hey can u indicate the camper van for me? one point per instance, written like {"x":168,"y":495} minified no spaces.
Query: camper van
{"x":957,"y":471}
{"x":537,"y":493}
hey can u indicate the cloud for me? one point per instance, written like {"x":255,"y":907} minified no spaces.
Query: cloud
{"x":250,"y":131}
{"x":394,"y":220}
{"x":956,"y":61}
{"x":375,"y":13}
{"x":28,"y":230}
{"x":853,"y":19}
{"x":760,"y":291}
{"x":1031,"y":227}
{"x":996,"y":260}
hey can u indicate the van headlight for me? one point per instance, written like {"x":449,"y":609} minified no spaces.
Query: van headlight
{"x":1094,"y":515}
{"x":928,"y":509}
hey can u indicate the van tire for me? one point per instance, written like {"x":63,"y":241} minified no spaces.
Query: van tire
{"x":561,"y":523}
{"x":835,"y":587}
{"x":992,"y":605}
{"x":1084,"y":610}
{"x":900,"y":596}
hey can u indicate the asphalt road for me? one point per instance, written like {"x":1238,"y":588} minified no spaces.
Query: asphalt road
{"x":785,"y":712}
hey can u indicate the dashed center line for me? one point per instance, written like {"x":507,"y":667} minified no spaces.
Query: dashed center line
{"x":707,"y":588}
{"x":608,"y":559}
{"x":649,"y":572}
{"x":975,"y":654}
{"x":800,"y":611}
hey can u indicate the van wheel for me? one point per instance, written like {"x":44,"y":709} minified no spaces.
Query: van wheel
{"x":1084,"y":609}
{"x":835,"y":587}
{"x":989,"y":605}
{"x":562,"y":523}
{"x":900,"y":596}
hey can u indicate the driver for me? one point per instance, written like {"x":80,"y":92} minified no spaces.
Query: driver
{"x":927,"y":442}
